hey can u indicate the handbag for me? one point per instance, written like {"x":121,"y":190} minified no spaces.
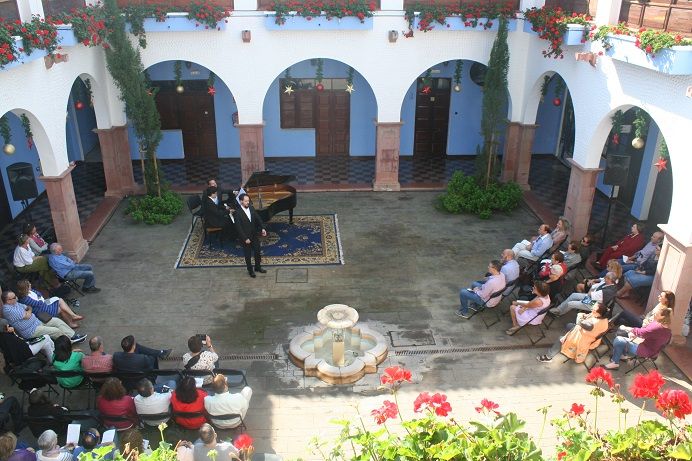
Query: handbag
{"x":44,"y":317}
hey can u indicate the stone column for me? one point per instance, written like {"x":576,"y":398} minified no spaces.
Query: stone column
{"x":673,"y":273}
{"x":117,"y":161}
{"x":251,"y":149}
{"x":387,"y":156}
{"x":516,"y":159}
{"x":582,"y":185}
{"x":63,"y":209}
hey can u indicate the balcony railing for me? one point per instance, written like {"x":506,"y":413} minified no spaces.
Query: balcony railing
{"x":411,"y":3}
{"x":54,"y":7}
{"x":182,"y":4}
{"x":264,"y":5}
{"x":8,"y":9}
{"x":577,"y":6}
{"x":671,"y":16}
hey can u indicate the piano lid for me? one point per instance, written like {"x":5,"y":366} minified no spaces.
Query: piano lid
{"x":266,"y":178}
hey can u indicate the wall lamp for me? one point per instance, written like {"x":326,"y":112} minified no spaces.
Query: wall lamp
{"x":246,"y":35}
{"x":393,"y":36}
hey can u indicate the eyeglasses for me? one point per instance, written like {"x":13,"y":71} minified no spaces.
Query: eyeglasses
{"x":11,"y":298}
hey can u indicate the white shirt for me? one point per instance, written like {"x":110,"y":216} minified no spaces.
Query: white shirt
{"x":247,"y":212}
{"x":23,"y":256}
{"x":154,"y":404}
{"x":226,"y":404}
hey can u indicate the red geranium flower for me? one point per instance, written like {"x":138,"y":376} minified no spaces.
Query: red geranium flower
{"x":561,"y":455}
{"x":674,"y":402}
{"x":436,"y":402}
{"x":243,"y":441}
{"x":487,"y":406}
{"x":388,"y":410}
{"x":598,"y":374}
{"x":395,"y":375}
{"x":576,"y":410}
{"x":647,"y":386}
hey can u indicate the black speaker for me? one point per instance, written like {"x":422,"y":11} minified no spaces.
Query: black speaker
{"x":22,"y":182}
{"x":617,"y":170}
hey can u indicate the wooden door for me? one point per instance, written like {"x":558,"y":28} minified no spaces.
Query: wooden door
{"x":332,"y":122}
{"x":192,"y":112}
{"x":432,"y":118}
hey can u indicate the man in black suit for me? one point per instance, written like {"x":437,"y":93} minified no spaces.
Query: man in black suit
{"x":136,"y":358}
{"x":249,"y":226}
{"x":218,"y":214}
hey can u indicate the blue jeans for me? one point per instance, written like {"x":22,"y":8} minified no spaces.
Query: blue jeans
{"x":466,"y":296}
{"x":622,"y":345}
{"x":637,"y":280}
{"x":82,"y":271}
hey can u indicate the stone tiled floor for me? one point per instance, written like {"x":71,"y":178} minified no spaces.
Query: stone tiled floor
{"x":399,"y":274}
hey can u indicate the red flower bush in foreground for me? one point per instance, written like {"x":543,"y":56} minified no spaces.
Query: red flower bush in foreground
{"x":598,"y":374}
{"x":436,"y":402}
{"x":488,"y":406}
{"x":647,"y":386}
{"x":388,"y":410}
{"x":395,"y":376}
{"x":243,"y":442}
{"x":674,"y":403}
{"x":576,"y":410}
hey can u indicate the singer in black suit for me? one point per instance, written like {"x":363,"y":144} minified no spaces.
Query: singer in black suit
{"x":217,"y":214}
{"x":249,"y":226}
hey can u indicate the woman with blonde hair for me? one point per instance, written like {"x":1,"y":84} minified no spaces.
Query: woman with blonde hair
{"x":644,"y":342}
{"x":613,"y":266}
{"x":665,"y":299}
{"x":561,"y":231}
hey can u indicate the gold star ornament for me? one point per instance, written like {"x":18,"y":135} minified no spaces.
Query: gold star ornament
{"x":350,"y":89}
{"x":289,"y":90}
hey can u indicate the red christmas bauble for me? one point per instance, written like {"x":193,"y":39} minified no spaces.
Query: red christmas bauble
{"x":319,"y":87}
{"x":557,"y":101}
{"x":79,"y":105}
{"x":616,"y":138}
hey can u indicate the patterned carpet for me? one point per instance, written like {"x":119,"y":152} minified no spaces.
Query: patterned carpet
{"x":311,"y":240}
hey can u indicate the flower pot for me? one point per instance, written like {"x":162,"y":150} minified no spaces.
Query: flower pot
{"x":66,"y":36}
{"x":573,"y":36}
{"x":318,"y":23}
{"x":673,"y":61}
{"x":178,"y":22}
{"x":22,"y":57}
{"x":458,"y":23}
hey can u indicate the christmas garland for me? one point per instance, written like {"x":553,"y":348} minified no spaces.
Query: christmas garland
{"x":5,"y":130}
{"x":617,"y":119}
{"x":458,"y":69}
{"x":430,"y":14}
{"x":551,"y":25}
{"x":211,"y":80}
{"x":26,"y":124}
{"x":178,"y":72}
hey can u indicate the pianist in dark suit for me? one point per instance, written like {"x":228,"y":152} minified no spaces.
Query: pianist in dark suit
{"x":231,"y":195}
{"x":217,"y":214}
{"x":249,"y":226}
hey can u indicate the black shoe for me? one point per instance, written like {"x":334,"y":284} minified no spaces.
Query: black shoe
{"x":91,"y":290}
{"x":260,"y":270}
{"x":165,"y":353}
{"x":77,"y":338}
{"x":252,"y":274}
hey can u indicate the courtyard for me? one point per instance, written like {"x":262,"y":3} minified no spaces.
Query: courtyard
{"x":405,"y":262}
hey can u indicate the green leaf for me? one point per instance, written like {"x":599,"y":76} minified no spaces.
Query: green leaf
{"x":681,"y":451}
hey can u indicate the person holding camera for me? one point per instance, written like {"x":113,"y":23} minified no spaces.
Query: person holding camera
{"x":198,"y":359}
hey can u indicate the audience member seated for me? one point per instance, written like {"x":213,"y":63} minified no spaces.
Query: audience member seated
{"x":613,"y":266}
{"x":480,"y":292}
{"x":561,"y":231}
{"x":642,"y":255}
{"x":197,"y":359}
{"x":25,"y":262}
{"x":523,"y":312}
{"x":132,"y":441}
{"x":572,"y":255}
{"x":628,"y":245}
{"x":225,"y":451}
{"x":16,"y":350}
{"x":225,"y":403}
{"x":40,"y":405}
{"x":10,"y":452}
{"x":510,"y":266}
{"x":97,"y":361}
{"x":666,"y":299}
{"x":10,"y":410}
{"x":54,"y":306}
{"x":137,"y":358}
{"x":580,"y":337}
{"x":91,"y":439}
{"x":37,"y":244}
{"x":603,"y":292}
{"x":150,"y":402}
{"x":116,"y":407}
{"x":66,"y":359}
{"x":66,"y":268}
{"x":49,"y":450}
{"x":554,"y":269}
{"x":188,"y":399}
{"x":585,"y":247}
{"x":28,"y":326}
{"x":641,"y":277}
{"x":218,"y":214}
{"x":537,"y":247}
{"x":644,"y":342}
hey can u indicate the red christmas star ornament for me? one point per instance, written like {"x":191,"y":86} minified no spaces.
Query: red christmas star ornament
{"x":557,"y":101}
{"x":426,"y":89}
{"x":616,"y":138}
{"x":319,"y":87}
{"x":79,"y":105}
{"x":211,"y":90}
{"x":661,"y":164}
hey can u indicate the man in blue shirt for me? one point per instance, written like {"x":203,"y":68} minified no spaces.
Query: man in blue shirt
{"x":69,"y":270}
{"x":537,"y":248}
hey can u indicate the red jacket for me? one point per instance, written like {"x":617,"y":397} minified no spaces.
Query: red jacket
{"x":628,"y":246}
{"x":124,"y":407}
{"x":196,"y":406}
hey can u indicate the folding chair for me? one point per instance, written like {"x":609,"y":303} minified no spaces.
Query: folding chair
{"x":496,"y":309}
{"x":227,"y":417}
{"x":639,"y":361}
{"x":194,"y":204}
{"x":234,"y":378}
{"x":155,"y":419}
{"x":208,"y":231}
{"x":26,"y":381}
{"x":612,"y":327}
{"x":186,"y":415}
{"x":528,"y":325}
{"x":475,"y":310}
{"x":70,"y":283}
{"x":85,"y":385}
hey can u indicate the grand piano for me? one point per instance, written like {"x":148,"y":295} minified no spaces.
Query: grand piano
{"x":270,"y":194}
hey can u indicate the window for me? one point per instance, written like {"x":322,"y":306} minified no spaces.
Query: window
{"x":297,"y":109}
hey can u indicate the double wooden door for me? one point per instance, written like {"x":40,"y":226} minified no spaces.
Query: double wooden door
{"x":432,"y":118}
{"x":332,"y":122}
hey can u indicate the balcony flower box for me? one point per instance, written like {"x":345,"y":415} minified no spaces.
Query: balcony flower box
{"x":459,"y":23}
{"x":178,"y":22}
{"x":22,"y":57}
{"x":294,"y":22}
{"x":66,"y":36}
{"x":673,"y":61}
{"x":573,"y":36}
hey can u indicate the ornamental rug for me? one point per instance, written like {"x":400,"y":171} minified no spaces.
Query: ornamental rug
{"x":310,"y":240}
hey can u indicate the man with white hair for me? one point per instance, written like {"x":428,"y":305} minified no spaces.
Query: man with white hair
{"x":66,"y":268}
{"x":207,"y":442}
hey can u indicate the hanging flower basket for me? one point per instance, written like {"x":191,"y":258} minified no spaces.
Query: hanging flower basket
{"x":22,"y":57}
{"x":574,"y":35}
{"x":179,"y":22}
{"x":458,"y":23}
{"x":66,"y":36}
{"x":676,"y":60}
{"x":318,"y":23}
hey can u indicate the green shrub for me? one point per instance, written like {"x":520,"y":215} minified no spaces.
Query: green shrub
{"x":465,"y":195}
{"x":152,"y":209}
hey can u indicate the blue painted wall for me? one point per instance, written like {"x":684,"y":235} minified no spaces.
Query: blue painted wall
{"x":22,"y":154}
{"x":642,"y":181}
{"x":548,"y":119}
{"x":80,"y":124}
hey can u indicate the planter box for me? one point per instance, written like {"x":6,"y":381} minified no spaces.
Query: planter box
{"x":178,"y":22}
{"x":573,"y":36}
{"x":23,"y":58}
{"x":66,"y":36}
{"x":318,"y":23}
{"x":457,"y":23}
{"x":673,"y":61}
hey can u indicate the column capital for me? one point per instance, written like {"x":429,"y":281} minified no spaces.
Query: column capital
{"x":675,"y":236}
{"x":573,"y":163}
{"x":61,"y":176}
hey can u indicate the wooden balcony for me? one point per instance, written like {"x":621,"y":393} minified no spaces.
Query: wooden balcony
{"x":9,"y":10}
{"x":55,"y":7}
{"x":577,"y":6}
{"x":672,"y":15}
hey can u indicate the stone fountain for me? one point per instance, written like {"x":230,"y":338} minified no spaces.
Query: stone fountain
{"x":337,"y":351}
